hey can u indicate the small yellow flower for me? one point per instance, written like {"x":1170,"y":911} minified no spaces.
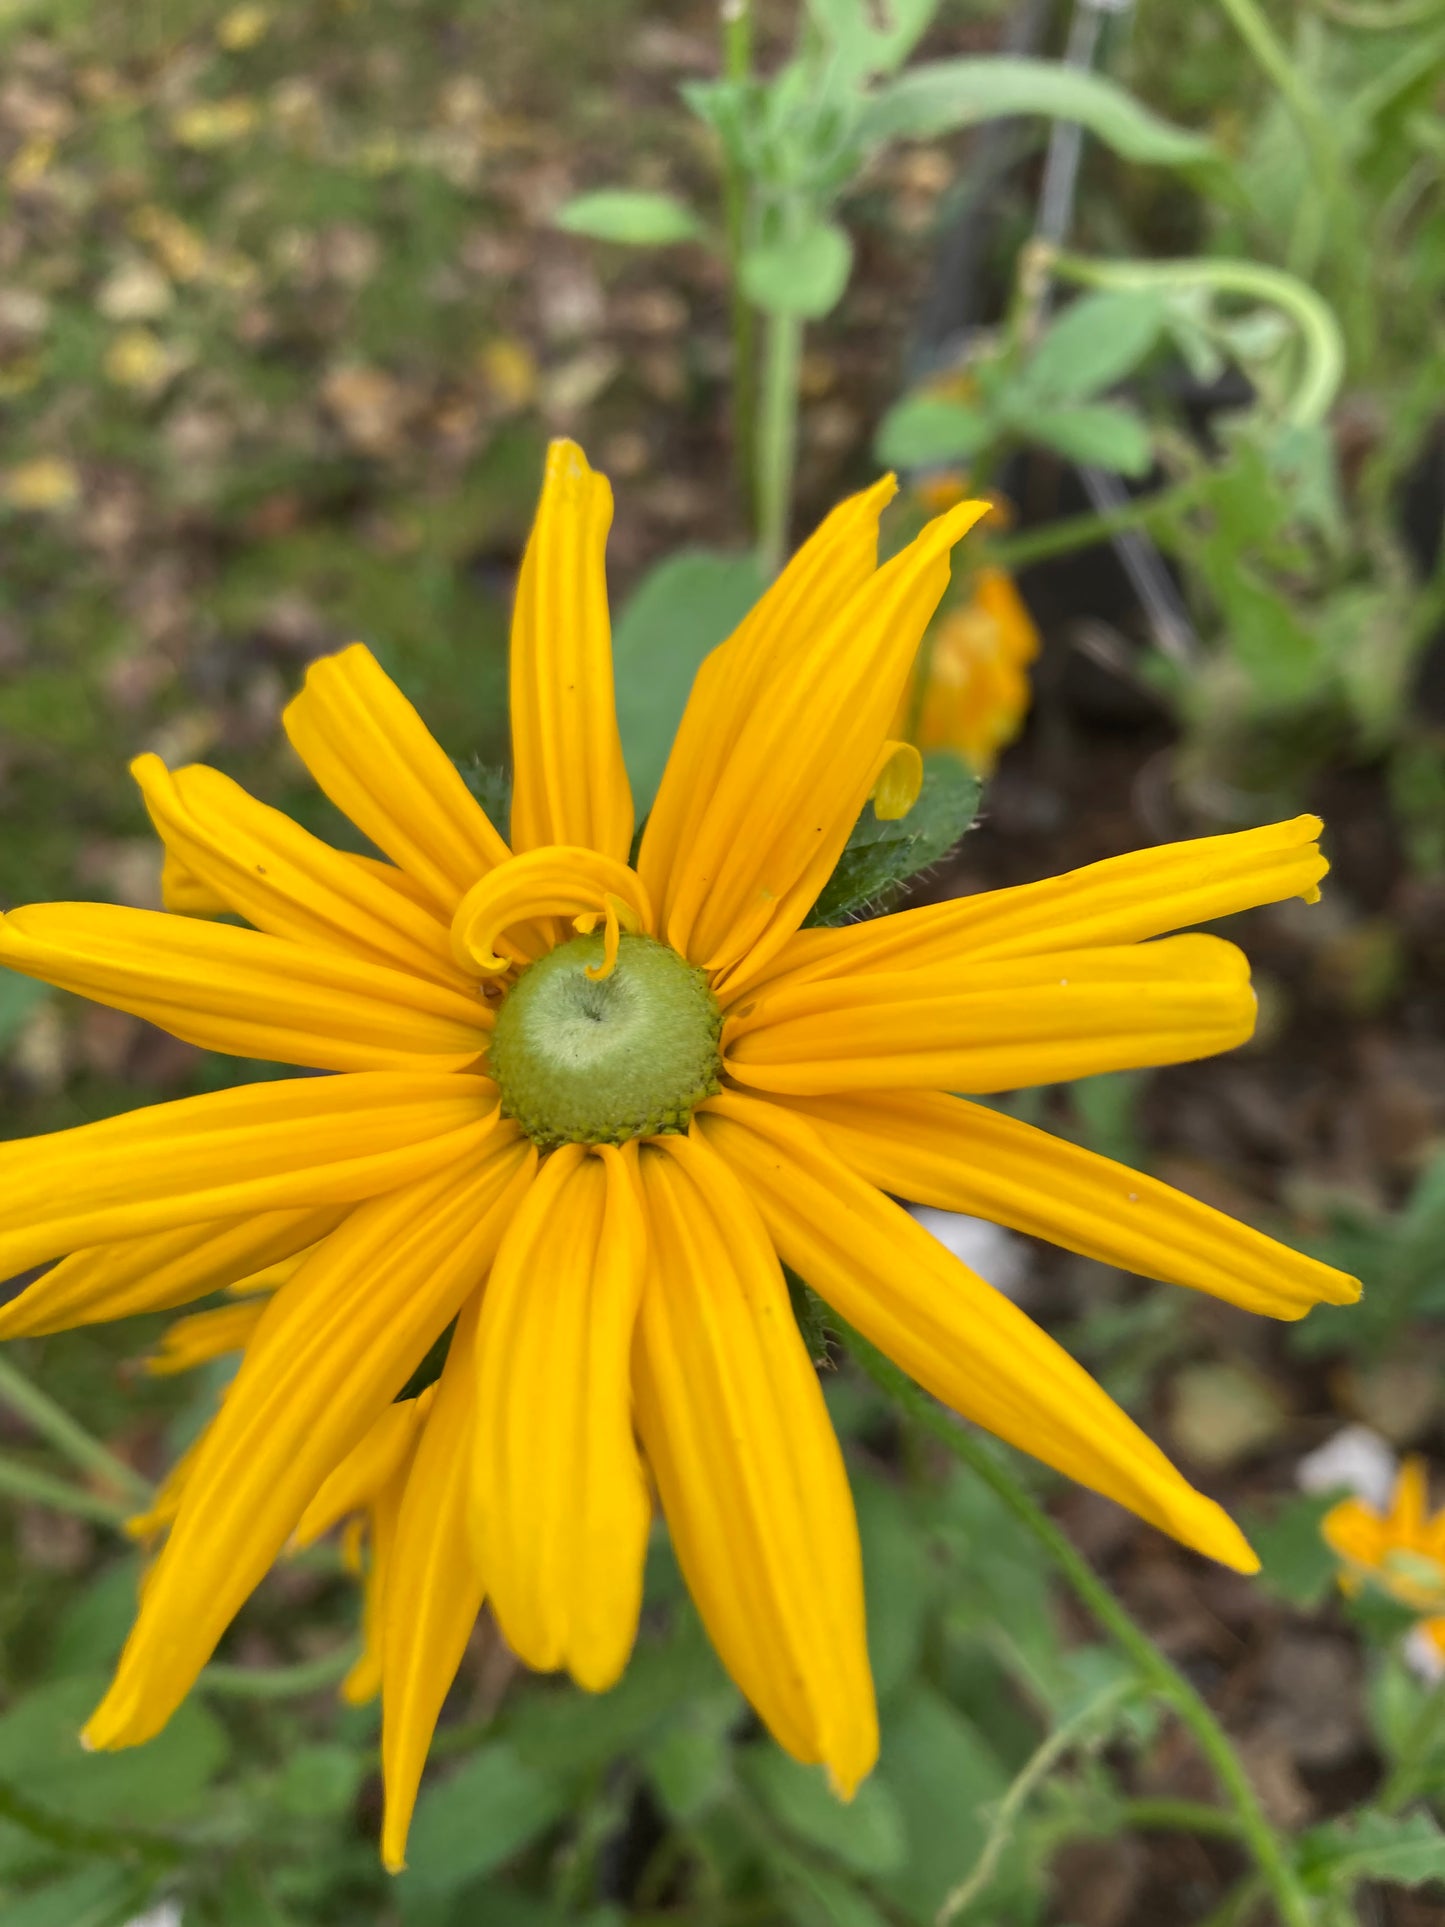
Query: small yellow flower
{"x":1401,"y":1551}
{"x":243,"y":27}
{"x":975,"y":691}
{"x":215,"y":123}
{"x":581,"y":1113}
{"x":140,"y":360}
{"x":31,"y":164}
{"x":509,"y":369}
{"x":48,"y":484}
{"x":179,"y":249}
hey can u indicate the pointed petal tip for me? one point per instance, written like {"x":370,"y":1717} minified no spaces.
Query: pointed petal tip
{"x":1217,"y":1536}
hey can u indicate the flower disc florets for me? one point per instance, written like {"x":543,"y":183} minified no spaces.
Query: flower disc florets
{"x":599,"y":1060}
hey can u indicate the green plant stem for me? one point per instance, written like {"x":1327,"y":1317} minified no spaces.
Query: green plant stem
{"x":1083,"y":531}
{"x":778,"y":436}
{"x":1179,"y":1816}
{"x":1273,"y":60}
{"x":47,"y":1418}
{"x":1319,"y":331}
{"x":23,"y":1482}
{"x":737,"y":48}
{"x":1256,"y":1833}
{"x":1427,"y":1727}
{"x":1089,"y":1719}
{"x":279,"y":1682}
{"x":1238,"y":1904}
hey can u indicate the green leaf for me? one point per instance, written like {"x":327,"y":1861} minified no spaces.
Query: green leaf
{"x":1407,"y":1851}
{"x":1097,"y":432}
{"x":922,"y":430}
{"x":866,"y":1834}
{"x":634,"y":219}
{"x":1094,"y":343}
{"x":40,"y":1753}
{"x":321,"y":1781}
{"x":939,"y":96}
{"x":1296,"y":1562}
{"x":944,"y":1775}
{"x":803,"y":274}
{"x":899,"y":1581}
{"x":95,"y":1897}
{"x":869,"y":38}
{"x":477,"y":1819}
{"x":690,"y":1762}
{"x":18,"y":997}
{"x":816,"y":1897}
{"x":880,"y":855}
{"x":678,"y":612}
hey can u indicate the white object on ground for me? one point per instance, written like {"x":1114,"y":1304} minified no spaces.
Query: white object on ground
{"x":1355,"y":1460}
{"x":999,"y":1257}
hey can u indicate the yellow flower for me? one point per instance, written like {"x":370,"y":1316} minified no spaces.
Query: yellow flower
{"x":1401,"y":1551}
{"x":215,"y":123}
{"x":975,"y":683}
{"x":365,"y":1491}
{"x":588,"y":1109}
{"x":47,"y":484}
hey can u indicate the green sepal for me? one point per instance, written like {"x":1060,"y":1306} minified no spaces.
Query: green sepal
{"x":430,"y":1368}
{"x":811,"y":1314}
{"x":879,"y":857}
{"x":492,"y":788}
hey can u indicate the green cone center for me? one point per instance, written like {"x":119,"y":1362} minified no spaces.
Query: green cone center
{"x":582,"y":1060}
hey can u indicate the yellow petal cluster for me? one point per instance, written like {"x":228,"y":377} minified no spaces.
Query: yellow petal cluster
{"x":619,"y":1317}
{"x":1401,"y":1550}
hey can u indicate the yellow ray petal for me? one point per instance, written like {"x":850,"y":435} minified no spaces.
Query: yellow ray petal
{"x":1354,"y":1532}
{"x":270,"y":1277}
{"x":382,"y":1452}
{"x":245,"y":993}
{"x":835,"y":561}
{"x":995,"y":1026}
{"x":560,"y":881}
{"x":1410,"y":1501}
{"x":301,"y":1142}
{"x":203,"y":1336}
{"x":154,"y":1273}
{"x":747,"y":1465}
{"x":800,"y":770}
{"x":570,"y":782}
{"x":961,"y":1340}
{"x":363,"y":1682}
{"x":331,"y":1352}
{"x":561,"y":1501}
{"x":160,"y":1514}
{"x":183,"y":892}
{"x":286,"y":881}
{"x":958,"y":1156}
{"x":435,"y":1588}
{"x":375,"y":758}
{"x":1121,"y":900}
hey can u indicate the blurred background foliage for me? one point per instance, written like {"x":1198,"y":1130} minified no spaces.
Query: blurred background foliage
{"x":290,"y":300}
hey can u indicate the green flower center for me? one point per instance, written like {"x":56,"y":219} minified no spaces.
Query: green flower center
{"x":582,"y":1060}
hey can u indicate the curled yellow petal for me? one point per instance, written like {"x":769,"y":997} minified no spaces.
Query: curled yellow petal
{"x":555,"y":882}
{"x":898,"y":782}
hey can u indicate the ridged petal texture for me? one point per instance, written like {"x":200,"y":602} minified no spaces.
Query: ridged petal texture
{"x":620,"y":1325}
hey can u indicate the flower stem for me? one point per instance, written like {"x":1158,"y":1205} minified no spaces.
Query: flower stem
{"x":1257,"y":1835}
{"x":737,"y":43}
{"x":1093,"y":1717}
{"x":23,"y":1482}
{"x":778,"y":437}
{"x":69,"y":1437}
{"x":1071,"y":532}
{"x":278,"y":1682}
{"x":1179,"y":1816}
